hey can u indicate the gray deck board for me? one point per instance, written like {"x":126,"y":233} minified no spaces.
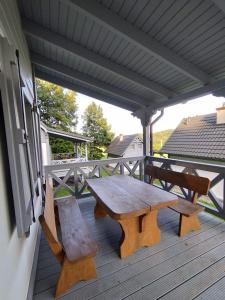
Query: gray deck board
{"x":214,"y":292}
{"x":176,"y":268}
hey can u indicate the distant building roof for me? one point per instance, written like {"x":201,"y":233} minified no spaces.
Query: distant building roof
{"x":199,"y":137}
{"x":120,"y":144}
{"x":70,"y":136}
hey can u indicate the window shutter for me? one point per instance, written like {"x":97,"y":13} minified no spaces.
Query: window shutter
{"x":21,"y":142}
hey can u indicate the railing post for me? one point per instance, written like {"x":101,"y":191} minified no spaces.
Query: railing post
{"x":121,"y":169}
{"x":145,"y":163}
{"x":141,"y":170}
{"x":76,"y":182}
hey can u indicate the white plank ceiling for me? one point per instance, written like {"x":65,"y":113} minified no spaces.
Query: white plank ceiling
{"x":131,"y":53}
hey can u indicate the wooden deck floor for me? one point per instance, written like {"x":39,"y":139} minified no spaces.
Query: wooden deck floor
{"x":192,"y":267}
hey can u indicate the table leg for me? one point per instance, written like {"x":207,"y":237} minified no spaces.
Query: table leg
{"x":99,"y":210}
{"x":142,"y":231}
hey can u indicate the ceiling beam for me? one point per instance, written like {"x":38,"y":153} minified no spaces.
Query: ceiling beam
{"x":87,"y":80}
{"x":83,"y":90}
{"x":107,"y":18}
{"x":219,"y":93}
{"x":220,"y":4}
{"x":216,"y":88}
{"x":39,"y":32}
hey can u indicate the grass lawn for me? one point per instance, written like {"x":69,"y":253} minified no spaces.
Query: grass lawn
{"x":63,"y":192}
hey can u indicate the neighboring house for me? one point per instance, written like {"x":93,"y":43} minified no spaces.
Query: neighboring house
{"x":75,"y":138}
{"x":126,"y":146}
{"x":198,"y":138}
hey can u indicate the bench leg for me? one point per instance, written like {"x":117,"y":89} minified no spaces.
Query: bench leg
{"x":142,"y":231}
{"x":99,"y":211}
{"x":73,"y":272}
{"x":188,"y":224}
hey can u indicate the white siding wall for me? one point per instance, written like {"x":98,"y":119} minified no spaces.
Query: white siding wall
{"x":135,"y":149}
{"x":16,"y":254}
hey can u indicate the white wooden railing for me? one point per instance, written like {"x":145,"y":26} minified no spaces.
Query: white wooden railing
{"x":215,"y":202}
{"x":67,"y":161}
{"x":70,"y":177}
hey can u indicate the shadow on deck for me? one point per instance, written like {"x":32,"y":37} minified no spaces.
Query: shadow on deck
{"x":192,"y":267}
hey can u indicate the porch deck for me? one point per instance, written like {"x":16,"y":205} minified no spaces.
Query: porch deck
{"x":192,"y":267}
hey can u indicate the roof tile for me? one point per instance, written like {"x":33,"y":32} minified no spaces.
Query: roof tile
{"x":198,"y":136}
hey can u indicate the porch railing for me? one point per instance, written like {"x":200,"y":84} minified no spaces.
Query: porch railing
{"x":215,"y":202}
{"x":69,"y":178}
{"x":66,"y":161}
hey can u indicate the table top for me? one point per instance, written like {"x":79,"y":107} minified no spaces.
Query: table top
{"x":123,"y":196}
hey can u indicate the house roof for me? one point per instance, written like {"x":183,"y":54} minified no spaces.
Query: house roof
{"x":70,"y":136}
{"x":118,"y":146}
{"x":133,"y":54}
{"x":198,"y":137}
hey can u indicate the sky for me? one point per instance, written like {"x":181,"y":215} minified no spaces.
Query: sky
{"x":123,"y":122}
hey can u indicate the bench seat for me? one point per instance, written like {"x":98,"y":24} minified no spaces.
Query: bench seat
{"x":186,"y":208}
{"x":75,"y":253}
{"x":76,"y":238}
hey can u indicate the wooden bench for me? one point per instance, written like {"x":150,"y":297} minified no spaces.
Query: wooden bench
{"x":76,"y":252}
{"x":188,"y":210}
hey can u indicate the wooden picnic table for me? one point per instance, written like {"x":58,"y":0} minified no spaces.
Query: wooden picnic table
{"x":134,"y":204}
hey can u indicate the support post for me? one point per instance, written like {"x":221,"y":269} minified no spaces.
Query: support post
{"x":146,"y":140}
{"x":145,"y":122}
{"x":151,"y":130}
{"x":86,"y":152}
{"x":75,"y":149}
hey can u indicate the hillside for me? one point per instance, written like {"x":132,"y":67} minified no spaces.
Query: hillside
{"x":159,"y":138}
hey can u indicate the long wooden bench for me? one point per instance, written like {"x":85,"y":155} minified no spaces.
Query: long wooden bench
{"x":188,"y":210}
{"x":76,"y":252}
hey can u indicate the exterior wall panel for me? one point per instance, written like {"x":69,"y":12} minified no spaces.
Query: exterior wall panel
{"x":16,"y":253}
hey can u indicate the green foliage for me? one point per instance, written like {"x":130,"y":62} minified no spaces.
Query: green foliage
{"x":159,"y":138}
{"x":58,"y":110}
{"x":63,"y":192}
{"x":58,"y":106}
{"x":96,"y":126}
{"x":60,"y":146}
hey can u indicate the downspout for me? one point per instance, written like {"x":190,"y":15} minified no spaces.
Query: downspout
{"x":151,"y":127}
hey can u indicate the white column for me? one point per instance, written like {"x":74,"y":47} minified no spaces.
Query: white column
{"x":145,"y":122}
{"x":146,"y":140}
{"x":86,"y":151}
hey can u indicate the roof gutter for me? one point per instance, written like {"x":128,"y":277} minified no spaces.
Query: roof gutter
{"x":151,"y":127}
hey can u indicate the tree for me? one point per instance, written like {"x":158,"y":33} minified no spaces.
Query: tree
{"x":58,"y":106}
{"x":58,"y":109}
{"x":159,"y":138}
{"x":61,"y":146}
{"x":96,"y":126}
